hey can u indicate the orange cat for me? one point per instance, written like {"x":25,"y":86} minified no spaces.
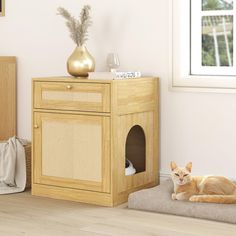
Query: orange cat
{"x":215,"y":189}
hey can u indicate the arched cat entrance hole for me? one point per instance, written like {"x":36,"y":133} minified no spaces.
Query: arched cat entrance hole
{"x":135,"y":148}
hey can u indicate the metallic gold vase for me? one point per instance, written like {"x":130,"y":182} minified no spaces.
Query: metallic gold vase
{"x":80,"y":62}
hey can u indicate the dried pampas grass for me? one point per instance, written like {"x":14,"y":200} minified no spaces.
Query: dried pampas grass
{"x":78,"y":28}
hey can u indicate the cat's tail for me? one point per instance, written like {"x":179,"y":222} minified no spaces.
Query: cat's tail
{"x":226,"y":199}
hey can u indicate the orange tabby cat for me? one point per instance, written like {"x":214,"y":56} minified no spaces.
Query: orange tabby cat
{"x":215,"y":189}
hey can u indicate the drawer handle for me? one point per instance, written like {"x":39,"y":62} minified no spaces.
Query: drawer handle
{"x":36,"y":126}
{"x":69,"y":87}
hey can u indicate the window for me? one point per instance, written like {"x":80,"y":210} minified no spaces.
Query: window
{"x":212,"y":37}
{"x":203,"y":43}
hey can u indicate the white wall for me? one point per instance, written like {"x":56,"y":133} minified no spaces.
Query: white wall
{"x":198,"y":127}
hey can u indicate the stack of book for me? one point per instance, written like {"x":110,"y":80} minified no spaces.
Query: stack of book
{"x":114,"y":75}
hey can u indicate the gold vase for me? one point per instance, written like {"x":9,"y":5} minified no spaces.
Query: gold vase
{"x":80,"y":62}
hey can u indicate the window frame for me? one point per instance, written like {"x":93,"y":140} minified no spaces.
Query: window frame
{"x":180,"y":57}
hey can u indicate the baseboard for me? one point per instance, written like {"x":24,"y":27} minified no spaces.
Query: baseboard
{"x":163,"y":176}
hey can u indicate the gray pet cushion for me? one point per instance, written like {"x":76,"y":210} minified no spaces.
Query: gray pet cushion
{"x":158,"y":199}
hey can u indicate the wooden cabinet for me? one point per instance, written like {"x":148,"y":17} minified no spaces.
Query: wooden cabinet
{"x":84,"y":130}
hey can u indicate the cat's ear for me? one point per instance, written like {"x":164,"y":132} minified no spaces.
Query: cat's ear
{"x":173,"y":165}
{"x":189,"y":167}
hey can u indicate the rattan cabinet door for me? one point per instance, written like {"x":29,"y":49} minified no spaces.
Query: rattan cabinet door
{"x":72,"y":150}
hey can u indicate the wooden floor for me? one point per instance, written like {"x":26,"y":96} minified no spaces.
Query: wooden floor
{"x":25,"y":215}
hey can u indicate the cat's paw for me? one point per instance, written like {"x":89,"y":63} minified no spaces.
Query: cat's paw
{"x":173,"y":196}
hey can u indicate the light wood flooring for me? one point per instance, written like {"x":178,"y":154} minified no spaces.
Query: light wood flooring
{"x":25,"y":215}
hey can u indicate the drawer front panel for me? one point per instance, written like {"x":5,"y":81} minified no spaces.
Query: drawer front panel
{"x":72,"y":96}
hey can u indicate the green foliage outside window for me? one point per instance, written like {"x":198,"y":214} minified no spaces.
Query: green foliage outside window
{"x":208,"y":5}
{"x":215,"y":22}
{"x":208,"y":50}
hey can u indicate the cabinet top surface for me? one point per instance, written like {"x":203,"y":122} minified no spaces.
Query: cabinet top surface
{"x":87,"y":80}
{"x":7,"y":59}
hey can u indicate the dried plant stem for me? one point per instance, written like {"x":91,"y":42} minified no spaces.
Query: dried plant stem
{"x":78,"y":28}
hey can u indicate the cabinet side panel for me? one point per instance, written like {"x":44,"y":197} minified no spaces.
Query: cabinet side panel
{"x":135,"y":95}
{"x":146,"y":122}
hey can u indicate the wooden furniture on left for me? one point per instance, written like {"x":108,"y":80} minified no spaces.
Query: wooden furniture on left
{"x":2,"y":7}
{"x":7,"y":97}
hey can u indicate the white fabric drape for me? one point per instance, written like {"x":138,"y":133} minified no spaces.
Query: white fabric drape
{"x":12,"y":166}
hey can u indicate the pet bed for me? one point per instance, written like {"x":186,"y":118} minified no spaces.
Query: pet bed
{"x":158,"y":199}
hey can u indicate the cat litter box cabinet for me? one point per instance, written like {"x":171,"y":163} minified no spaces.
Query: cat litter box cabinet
{"x":83,"y":132}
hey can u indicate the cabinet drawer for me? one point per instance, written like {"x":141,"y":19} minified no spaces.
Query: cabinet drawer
{"x":72,"y":96}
